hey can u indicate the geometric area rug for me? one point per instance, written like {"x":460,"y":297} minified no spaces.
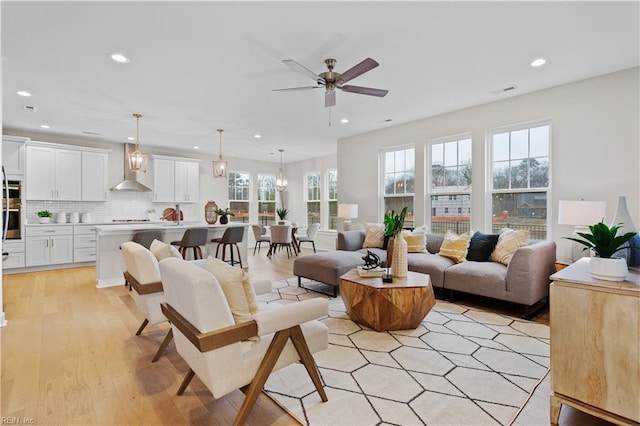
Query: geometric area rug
{"x":460,"y":366}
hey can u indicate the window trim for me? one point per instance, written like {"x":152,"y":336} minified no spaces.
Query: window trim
{"x":382,"y":177}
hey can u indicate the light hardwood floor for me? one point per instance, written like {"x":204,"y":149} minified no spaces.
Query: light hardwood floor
{"x":70,"y":356}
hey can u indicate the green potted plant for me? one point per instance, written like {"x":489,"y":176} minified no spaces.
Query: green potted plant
{"x":282,"y":214}
{"x":223,"y":213}
{"x":393,"y":223}
{"x":44,"y":216}
{"x":604,"y":242}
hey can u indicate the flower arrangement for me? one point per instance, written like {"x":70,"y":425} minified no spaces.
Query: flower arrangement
{"x":225,"y":212}
{"x":282,"y":213}
{"x":393,"y":222}
{"x":44,"y":213}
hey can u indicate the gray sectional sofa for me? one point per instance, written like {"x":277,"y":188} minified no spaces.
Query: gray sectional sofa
{"x":524,"y":281}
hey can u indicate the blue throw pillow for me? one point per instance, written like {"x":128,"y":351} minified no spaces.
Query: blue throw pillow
{"x":481,"y":246}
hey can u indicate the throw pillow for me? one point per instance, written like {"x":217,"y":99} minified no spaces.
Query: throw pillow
{"x":374,"y":235}
{"x":508,"y":242}
{"x":163,"y":250}
{"x":455,"y":246}
{"x":416,"y":242}
{"x":481,"y":246}
{"x":236,"y":287}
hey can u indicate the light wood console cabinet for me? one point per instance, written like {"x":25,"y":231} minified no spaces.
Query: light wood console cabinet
{"x":595,"y":339}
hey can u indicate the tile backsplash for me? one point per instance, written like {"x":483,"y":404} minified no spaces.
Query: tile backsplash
{"x":120,"y":205}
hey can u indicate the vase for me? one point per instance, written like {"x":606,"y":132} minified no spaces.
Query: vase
{"x":44,"y":220}
{"x":631,"y":255}
{"x":399,"y":265}
{"x":608,"y":269}
{"x":224,"y":219}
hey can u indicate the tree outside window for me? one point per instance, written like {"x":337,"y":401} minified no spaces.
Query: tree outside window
{"x":239,"y":196}
{"x":267,"y":199}
{"x":399,"y":182}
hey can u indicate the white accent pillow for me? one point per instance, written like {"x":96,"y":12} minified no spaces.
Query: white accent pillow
{"x":455,"y":247}
{"x":236,"y":287}
{"x":374,"y":235}
{"x":163,"y":250}
{"x":508,"y":242}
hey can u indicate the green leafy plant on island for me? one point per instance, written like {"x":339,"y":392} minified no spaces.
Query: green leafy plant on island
{"x":393,"y":222}
{"x":282,"y":213}
{"x":603,"y":240}
{"x":225,"y":212}
{"x":44,"y":213}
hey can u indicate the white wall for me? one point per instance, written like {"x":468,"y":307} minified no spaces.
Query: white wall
{"x":595,"y":148}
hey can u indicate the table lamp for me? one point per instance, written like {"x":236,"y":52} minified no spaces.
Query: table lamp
{"x":347,"y":212}
{"x":580,"y":214}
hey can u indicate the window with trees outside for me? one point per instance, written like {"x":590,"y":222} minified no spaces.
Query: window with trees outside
{"x":266,"y":200}
{"x":399,"y":181}
{"x":450,"y":185}
{"x":239,"y":196}
{"x":332,"y":199}
{"x":520,"y":179}
{"x":313,"y":200}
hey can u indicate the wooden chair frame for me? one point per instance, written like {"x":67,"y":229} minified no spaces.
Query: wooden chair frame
{"x":143,"y":289}
{"x":213,"y":340}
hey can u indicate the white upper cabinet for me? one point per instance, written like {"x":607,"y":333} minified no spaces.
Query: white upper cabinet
{"x":13,"y":154}
{"x":95,"y":173}
{"x":65,"y":172}
{"x":175,"y":180}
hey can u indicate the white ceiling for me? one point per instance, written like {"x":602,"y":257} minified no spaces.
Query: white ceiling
{"x":199,"y":66}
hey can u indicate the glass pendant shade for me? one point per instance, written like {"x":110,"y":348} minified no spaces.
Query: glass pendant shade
{"x":220,"y":165}
{"x":138,"y":160}
{"x":281,"y":177}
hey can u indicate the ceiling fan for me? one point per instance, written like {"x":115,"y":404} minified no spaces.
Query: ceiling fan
{"x":332,"y":80}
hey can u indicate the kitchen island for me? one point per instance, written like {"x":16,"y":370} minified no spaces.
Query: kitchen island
{"x":109,"y":261}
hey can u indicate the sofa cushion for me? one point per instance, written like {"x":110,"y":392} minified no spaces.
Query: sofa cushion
{"x":482,"y":278}
{"x":481,"y":246}
{"x":163,"y":250}
{"x":432,"y":264}
{"x":508,"y":242}
{"x":416,"y":242}
{"x":236,"y":287}
{"x":455,"y":246}
{"x":374,"y":235}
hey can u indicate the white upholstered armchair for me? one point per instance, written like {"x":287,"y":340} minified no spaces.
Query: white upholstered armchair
{"x":227,"y":356}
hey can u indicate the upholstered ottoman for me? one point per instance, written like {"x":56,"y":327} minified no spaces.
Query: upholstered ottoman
{"x":326,"y":267}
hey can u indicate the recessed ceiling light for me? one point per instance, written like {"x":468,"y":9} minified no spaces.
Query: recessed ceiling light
{"x":344,"y":120}
{"x":119,"y":57}
{"x":257,"y":136}
{"x":538,"y":62}
{"x":24,"y":93}
{"x":45,"y":126}
{"x":196,"y":147}
{"x":131,"y":138}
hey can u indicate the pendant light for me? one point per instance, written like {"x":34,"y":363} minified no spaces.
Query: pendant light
{"x":220,"y":165}
{"x":281,"y":178}
{"x":138,"y":160}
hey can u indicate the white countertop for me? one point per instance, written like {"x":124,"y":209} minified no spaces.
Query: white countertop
{"x":167,"y":226}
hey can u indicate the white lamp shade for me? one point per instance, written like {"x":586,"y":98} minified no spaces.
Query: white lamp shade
{"x":581,"y":213}
{"x":347,"y":211}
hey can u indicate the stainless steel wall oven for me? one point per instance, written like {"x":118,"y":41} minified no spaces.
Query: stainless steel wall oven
{"x":11,"y":208}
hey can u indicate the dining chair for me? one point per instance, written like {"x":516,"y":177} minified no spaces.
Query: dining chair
{"x":310,"y":236}
{"x":261,"y":236}
{"x":281,"y":236}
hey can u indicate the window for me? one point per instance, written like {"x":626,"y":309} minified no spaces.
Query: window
{"x":520,"y":179}
{"x":313,"y":197}
{"x":332,"y":199}
{"x":450,"y":185}
{"x":399,"y":180}
{"x":239,"y":193}
{"x":267,"y":199}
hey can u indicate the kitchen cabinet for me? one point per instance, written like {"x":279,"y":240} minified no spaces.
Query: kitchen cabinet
{"x":16,"y":254}
{"x":175,"y":180}
{"x":95,"y":169}
{"x":53,"y":173}
{"x":49,"y":245}
{"x":84,"y":243}
{"x":595,"y":326}
{"x":13,"y":153}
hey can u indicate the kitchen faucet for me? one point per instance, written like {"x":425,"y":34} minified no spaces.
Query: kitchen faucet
{"x":178,"y":214}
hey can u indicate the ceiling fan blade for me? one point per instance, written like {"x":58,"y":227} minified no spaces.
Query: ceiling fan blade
{"x":295,"y":89}
{"x":364,"y":66}
{"x":295,"y":66}
{"x":365,"y":90}
{"x":330,"y":98}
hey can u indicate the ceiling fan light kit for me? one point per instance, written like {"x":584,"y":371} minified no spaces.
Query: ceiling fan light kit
{"x":331,"y":80}
{"x":220,"y":165}
{"x":138,"y":160}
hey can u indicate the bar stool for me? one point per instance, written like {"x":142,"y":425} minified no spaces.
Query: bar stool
{"x":145,"y":238}
{"x":194,"y":238}
{"x":231,"y":237}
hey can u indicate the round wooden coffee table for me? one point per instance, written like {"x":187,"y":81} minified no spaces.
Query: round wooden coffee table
{"x":400,"y":305}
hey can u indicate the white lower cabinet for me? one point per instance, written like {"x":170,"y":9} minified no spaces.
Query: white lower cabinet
{"x":16,"y":254}
{"x":84,"y":243}
{"x":49,"y":245}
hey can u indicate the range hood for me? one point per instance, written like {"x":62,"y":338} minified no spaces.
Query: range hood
{"x":129,"y":184}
